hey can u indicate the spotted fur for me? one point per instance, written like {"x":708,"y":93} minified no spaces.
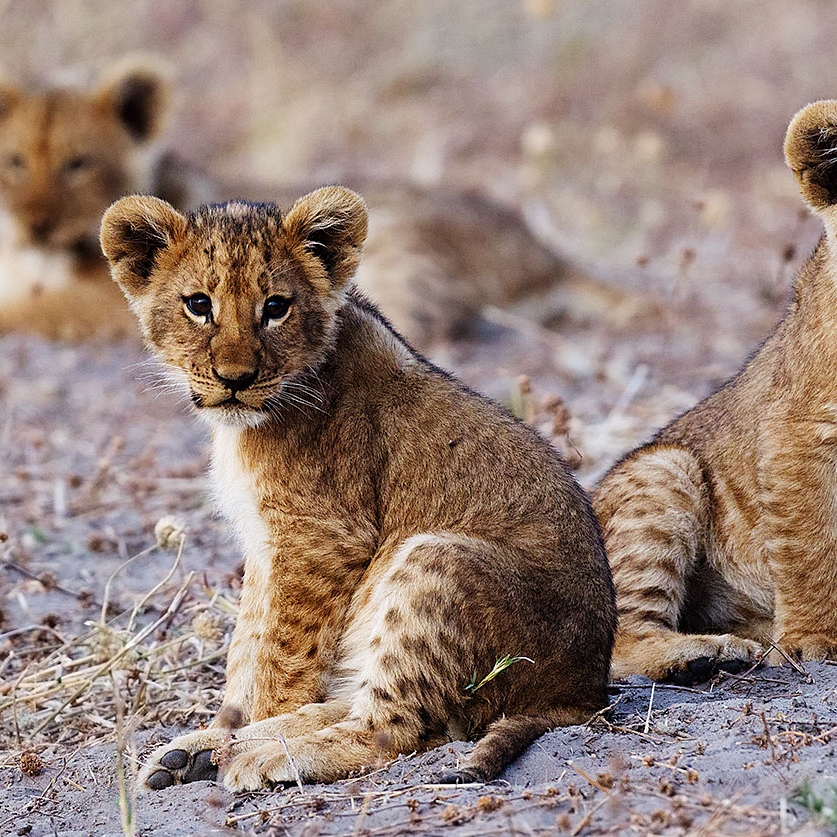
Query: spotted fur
{"x":401,"y":533}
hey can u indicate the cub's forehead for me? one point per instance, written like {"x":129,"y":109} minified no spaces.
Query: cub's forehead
{"x":236,"y":220}
{"x":241,"y":244}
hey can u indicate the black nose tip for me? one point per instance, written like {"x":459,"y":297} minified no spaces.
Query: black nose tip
{"x":237,"y":383}
{"x":41,"y":230}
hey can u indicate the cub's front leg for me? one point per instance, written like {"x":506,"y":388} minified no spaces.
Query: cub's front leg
{"x":800,"y":515}
{"x":290,"y":615}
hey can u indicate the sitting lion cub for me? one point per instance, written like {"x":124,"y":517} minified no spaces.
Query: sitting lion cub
{"x":402,"y":535}
{"x":722,"y":531}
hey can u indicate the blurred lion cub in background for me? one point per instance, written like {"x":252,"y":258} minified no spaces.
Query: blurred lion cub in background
{"x":403,"y":536}
{"x":434,"y":257}
{"x":65,"y":155}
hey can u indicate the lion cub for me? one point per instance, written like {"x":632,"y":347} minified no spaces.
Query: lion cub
{"x":66,"y":154}
{"x":722,"y":531}
{"x":401,"y":534}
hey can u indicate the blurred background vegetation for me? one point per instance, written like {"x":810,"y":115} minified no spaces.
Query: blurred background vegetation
{"x":626,"y":120}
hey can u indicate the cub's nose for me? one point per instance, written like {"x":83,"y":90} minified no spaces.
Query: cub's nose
{"x":234,"y":379}
{"x":41,"y":229}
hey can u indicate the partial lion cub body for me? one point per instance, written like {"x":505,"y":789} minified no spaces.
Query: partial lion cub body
{"x":722,"y":532}
{"x":401,"y":534}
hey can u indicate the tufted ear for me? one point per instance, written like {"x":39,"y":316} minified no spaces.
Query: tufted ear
{"x":331,"y":224}
{"x":134,"y":231}
{"x":811,"y":152}
{"x":138,"y":92}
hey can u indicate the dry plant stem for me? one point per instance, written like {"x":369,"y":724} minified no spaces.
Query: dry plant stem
{"x":769,"y":737}
{"x":648,"y":715}
{"x":126,"y":785}
{"x":588,"y":778}
{"x":112,"y":576}
{"x":129,"y":646}
{"x":794,"y":664}
{"x":215,"y":655}
{"x":16,"y":720}
{"x":35,"y":577}
{"x":288,"y":756}
{"x":585,"y":820}
{"x":141,"y":603}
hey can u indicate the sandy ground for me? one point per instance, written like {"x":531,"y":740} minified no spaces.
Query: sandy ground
{"x":642,"y":140}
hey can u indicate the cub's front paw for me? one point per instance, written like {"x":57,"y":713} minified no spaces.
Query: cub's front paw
{"x":188,"y":758}
{"x":265,"y":764}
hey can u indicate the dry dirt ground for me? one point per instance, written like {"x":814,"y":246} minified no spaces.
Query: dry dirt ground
{"x":642,"y":139}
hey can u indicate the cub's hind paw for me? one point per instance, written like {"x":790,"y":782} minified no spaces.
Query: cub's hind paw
{"x":702,"y":669}
{"x":682,"y":659}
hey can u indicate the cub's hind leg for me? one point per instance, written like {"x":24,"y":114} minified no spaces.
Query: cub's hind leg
{"x":654,"y":513}
{"x":440,"y":613}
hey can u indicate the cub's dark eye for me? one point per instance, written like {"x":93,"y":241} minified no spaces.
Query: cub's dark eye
{"x":275,"y":307}
{"x":76,"y":164}
{"x":15,"y":162}
{"x":199,"y":304}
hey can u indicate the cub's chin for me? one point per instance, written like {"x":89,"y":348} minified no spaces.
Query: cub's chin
{"x":236,"y":415}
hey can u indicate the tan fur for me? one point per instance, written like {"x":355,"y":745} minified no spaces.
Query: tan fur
{"x":65,"y":154}
{"x":401,"y":533}
{"x":722,"y":532}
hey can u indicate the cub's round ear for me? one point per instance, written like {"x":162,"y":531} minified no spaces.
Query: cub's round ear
{"x":811,"y":152}
{"x":134,"y":232}
{"x":138,"y":92}
{"x":330,"y":224}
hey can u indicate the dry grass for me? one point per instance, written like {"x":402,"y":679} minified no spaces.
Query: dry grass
{"x":161,"y":662}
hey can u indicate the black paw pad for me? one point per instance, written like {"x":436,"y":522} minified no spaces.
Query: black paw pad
{"x":202,"y":769}
{"x":734,"y":666}
{"x":462,"y":776}
{"x":698,"y":670}
{"x":175,"y":760}
{"x":160,"y":779}
{"x":702,"y":668}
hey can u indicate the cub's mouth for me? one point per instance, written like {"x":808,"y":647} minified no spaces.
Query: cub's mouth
{"x":233,"y":400}
{"x":229,"y":410}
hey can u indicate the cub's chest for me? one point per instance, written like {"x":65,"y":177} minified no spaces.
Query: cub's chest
{"x":237,"y":498}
